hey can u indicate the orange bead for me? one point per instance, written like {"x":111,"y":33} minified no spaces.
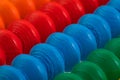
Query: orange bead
{"x":24,"y":6}
{"x":8,"y":12}
{"x":2,"y":26}
{"x":40,"y":3}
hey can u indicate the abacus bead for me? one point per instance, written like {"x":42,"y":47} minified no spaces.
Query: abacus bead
{"x":115,"y":4}
{"x":2,"y":57}
{"x":24,"y":7}
{"x":58,"y":14}
{"x":40,"y":3}
{"x":107,"y":61}
{"x":114,"y":46}
{"x":112,"y":16}
{"x":2,"y":25}
{"x":84,"y":38}
{"x":89,"y":71}
{"x":31,"y":67}
{"x":26,"y":32}
{"x":10,"y":73}
{"x":99,"y":28}
{"x":68,"y":48}
{"x":43,"y":23}
{"x":74,"y":8}
{"x":8,"y":12}
{"x":11,"y":44}
{"x":67,"y":76}
{"x":89,"y":5}
{"x":51,"y":57}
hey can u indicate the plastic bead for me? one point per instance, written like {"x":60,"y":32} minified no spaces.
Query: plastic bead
{"x":89,"y":5}
{"x":32,"y":68}
{"x":67,"y":76}
{"x":58,"y":14}
{"x":24,"y":7}
{"x":115,"y":4}
{"x":68,"y":48}
{"x":2,"y":25}
{"x":43,"y":23}
{"x":98,"y":26}
{"x":103,"y":2}
{"x":8,"y":12}
{"x":11,"y":44}
{"x":112,"y":16}
{"x":89,"y":71}
{"x":50,"y":57}
{"x":114,"y":46}
{"x":74,"y":8}
{"x":10,"y":73}
{"x":2,"y":57}
{"x":26,"y":33}
{"x":84,"y":38}
{"x":107,"y":61}
{"x":40,"y":3}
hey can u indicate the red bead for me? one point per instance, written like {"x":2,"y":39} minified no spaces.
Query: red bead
{"x":74,"y":8}
{"x":89,"y":5}
{"x":2,"y":57}
{"x":11,"y":45}
{"x":26,"y":32}
{"x":102,"y":2}
{"x":58,"y":14}
{"x":43,"y":23}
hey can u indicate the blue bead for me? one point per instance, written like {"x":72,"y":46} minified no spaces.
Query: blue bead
{"x":51,"y":57}
{"x":115,"y":4}
{"x":10,"y":73}
{"x":112,"y":16}
{"x":32,"y":68}
{"x":67,"y":47}
{"x":98,"y":26}
{"x":84,"y":38}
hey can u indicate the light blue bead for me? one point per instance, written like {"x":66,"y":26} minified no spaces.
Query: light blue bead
{"x":112,"y":16}
{"x":51,"y":57}
{"x":67,"y":47}
{"x":32,"y":68}
{"x":115,"y":4}
{"x":84,"y":38}
{"x":10,"y":73}
{"x":99,"y":28}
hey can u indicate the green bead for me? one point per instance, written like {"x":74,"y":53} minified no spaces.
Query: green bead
{"x":114,"y":46}
{"x":107,"y":61}
{"x":67,"y":76}
{"x":89,"y":71}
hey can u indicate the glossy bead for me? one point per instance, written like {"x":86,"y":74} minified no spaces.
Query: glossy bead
{"x":58,"y":14}
{"x":31,"y":67}
{"x":112,"y":17}
{"x":11,"y":73}
{"x":74,"y":8}
{"x":8,"y":12}
{"x":43,"y":24}
{"x":84,"y":38}
{"x":68,"y":48}
{"x":107,"y":61}
{"x":51,"y":57}
{"x":26,"y":32}
{"x":65,"y":76}
{"x":99,"y":28}
{"x":88,"y":70}
{"x":11,"y":44}
{"x":24,"y":7}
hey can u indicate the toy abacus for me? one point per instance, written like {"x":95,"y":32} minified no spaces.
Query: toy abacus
{"x":59,"y":40}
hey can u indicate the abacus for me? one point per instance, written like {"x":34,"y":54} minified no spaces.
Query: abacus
{"x":59,"y":40}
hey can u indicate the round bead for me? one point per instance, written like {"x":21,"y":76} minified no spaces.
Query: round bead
{"x":68,"y":48}
{"x":84,"y":38}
